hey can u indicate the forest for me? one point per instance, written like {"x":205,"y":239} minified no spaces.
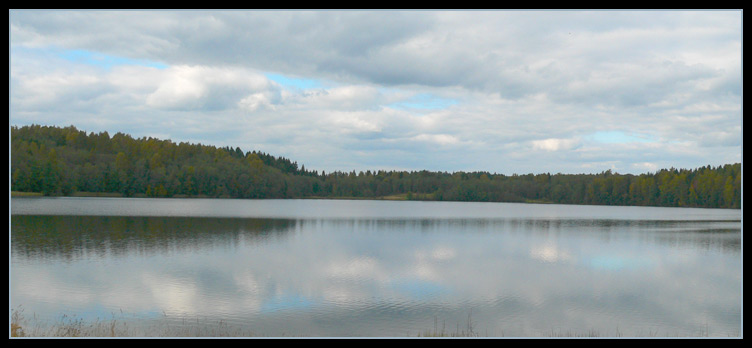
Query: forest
{"x":65,"y":161}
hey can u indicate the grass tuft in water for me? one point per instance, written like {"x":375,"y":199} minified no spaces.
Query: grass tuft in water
{"x":467,"y":331}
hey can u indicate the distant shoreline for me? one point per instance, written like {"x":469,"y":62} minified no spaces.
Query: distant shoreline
{"x":68,"y":162}
{"x":397,"y":197}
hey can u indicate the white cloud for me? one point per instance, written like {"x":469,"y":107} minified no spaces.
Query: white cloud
{"x":646,"y":166}
{"x":510,"y":91}
{"x":354,"y":122}
{"x":254,"y":102}
{"x":191,"y":87}
{"x":441,"y":139}
{"x":553,"y":144}
{"x":178,"y":92}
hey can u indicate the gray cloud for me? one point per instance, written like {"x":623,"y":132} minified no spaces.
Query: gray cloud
{"x":527,"y":87}
{"x":413,"y":47}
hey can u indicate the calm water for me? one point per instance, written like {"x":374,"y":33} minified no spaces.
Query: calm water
{"x":340,"y":268}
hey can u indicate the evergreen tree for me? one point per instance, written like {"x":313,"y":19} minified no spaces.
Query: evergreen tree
{"x":61,"y":161}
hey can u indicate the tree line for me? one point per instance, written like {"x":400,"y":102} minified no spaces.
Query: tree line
{"x":64,"y":160}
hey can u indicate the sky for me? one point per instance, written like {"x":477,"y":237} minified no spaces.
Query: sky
{"x":508,"y":92}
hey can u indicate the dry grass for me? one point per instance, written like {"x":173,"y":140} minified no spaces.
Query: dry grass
{"x":67,"y":326}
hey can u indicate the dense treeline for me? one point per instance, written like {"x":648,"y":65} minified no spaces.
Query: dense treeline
{"x":62,"y":161}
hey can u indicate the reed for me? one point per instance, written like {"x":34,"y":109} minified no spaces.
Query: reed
{"x":72,"y":326}
{"x":467,"y":331}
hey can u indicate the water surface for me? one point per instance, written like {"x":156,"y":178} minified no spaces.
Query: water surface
{"x":339,"y":268}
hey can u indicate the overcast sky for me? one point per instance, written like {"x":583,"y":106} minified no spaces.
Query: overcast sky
{"x":499,"y":91}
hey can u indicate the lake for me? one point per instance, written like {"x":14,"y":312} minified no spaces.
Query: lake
{"x":341,"y":268}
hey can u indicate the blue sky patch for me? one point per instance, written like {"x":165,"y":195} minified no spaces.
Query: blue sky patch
{"x":104,"y":60}
{"x":424,"y":101}
{"x":294,"y":83}
{"x":617,"y":137}
{"x":85,"y":57}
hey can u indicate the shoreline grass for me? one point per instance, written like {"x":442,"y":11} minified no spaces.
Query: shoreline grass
{"x":25,"y":194}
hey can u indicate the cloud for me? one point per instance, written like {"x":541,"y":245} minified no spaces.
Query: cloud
{"x":192,"y":87}
{"x":506,"y":91}
{"x":646,"y":166}
{"x":555,"y":144}
{"x":441,"y":139}
{"x":354,"y":122}
{"x":254,"y":102}
{"x":529,"y":51}
{"x":351,"y":97}
{"x":179,"y":91}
